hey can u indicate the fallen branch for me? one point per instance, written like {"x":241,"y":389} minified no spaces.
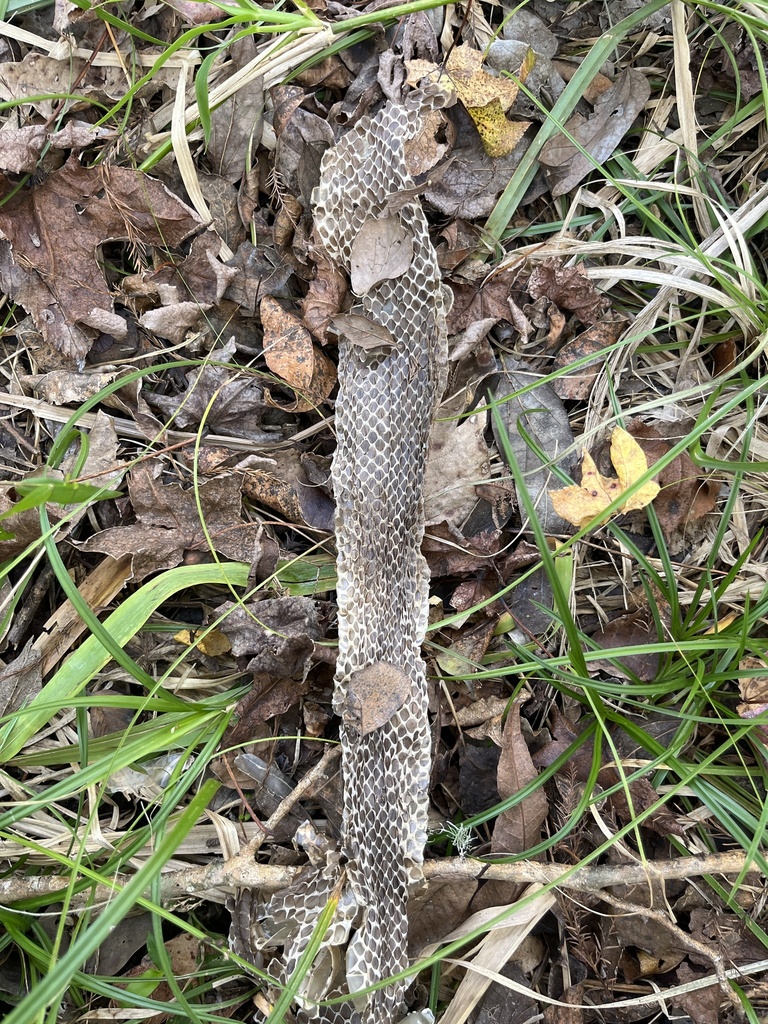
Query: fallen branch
{"x":242,"y":872}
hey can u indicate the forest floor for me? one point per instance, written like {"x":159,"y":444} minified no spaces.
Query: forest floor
{"x":595,"y":504}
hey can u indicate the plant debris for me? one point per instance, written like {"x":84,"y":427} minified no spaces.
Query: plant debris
{"x":593,"y":177}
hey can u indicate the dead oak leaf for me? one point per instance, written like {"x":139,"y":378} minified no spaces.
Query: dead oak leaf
{"x":569,"y":288}
{"x":580,"y":503}
{"x":218,"y":396}
{"x":485,"y":97}
{"x":168,"y":524}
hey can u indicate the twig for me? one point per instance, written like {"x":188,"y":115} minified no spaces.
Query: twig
{"x":242,"y":871}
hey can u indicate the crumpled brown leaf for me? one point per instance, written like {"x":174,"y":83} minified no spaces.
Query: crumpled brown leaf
{"x":20,"y":148}
{"x":615,"y":111}
{"x":277,"y":635}
{"x":49,"y":262}
{"x":169,"y":527}
{"x":569,"y":288}
{"x":230,"y":405}
{"x":287,"y":482}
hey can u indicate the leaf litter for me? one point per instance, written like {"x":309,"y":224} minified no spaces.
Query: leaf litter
{"x":207,"y":346}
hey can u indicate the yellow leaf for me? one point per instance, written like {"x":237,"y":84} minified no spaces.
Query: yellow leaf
{"x":630,"y":462}
{"x":499,"y":135}
{"x":213,"y":643}
{"x":486,"y":97}
{"x":581,"y":503}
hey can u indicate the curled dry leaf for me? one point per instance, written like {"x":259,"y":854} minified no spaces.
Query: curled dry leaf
{"x":569,"y":288}
{"x":581,"y":503}
{"x":325,"y":295}
{"x":290,"y":354}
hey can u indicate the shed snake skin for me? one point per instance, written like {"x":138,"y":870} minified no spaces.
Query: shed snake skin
{"x":387,"y":396}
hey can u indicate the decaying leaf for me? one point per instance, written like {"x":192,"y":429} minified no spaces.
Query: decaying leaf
{"x":578,"y":384}
{"x":381,"y":251}
{"x":374,"y":695}
{"x":569,"y":288}
{"x":581,"y":503}
{"x":362,"y":331}
{"x":20,"y":148}
{"x":485,"y":97}
{"x":169,"y":523}
{"x":277,"y":635}
{"x":227,"y":403}
{"x":458,"y":462}
{"x":518,"y":828}
{"x":49,"y":261}
{"x":685,"y":494}
{"x":539,"y":413}
{"x":291,"y":355}
{"x":597,"y":136}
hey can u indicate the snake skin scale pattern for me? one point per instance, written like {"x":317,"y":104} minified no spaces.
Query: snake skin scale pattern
{"x":384,"y":409}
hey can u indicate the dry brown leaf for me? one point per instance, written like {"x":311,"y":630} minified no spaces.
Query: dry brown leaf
{"x":634,"y":629}
{"x":458,"y":461}
{"x":518,"y":828}
{"x":277,"y":635}
{"x":49,"y":263}
{"x":288,"y":482}
{"x":374,"y":695}
{"x":684,"y":494}
{"x":290,"y":354}
{"x":465,"y":654}
{"x":168,"y":523}
{"x":578,"y":384}
{"x":569,"y":288}
{"x":579,"y":504}
{"x":362,"y":331}
{"x":20,"y":148}
{"x":381,"y":251}
{"x":325,"y":295}
{"x":598,"y":135}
